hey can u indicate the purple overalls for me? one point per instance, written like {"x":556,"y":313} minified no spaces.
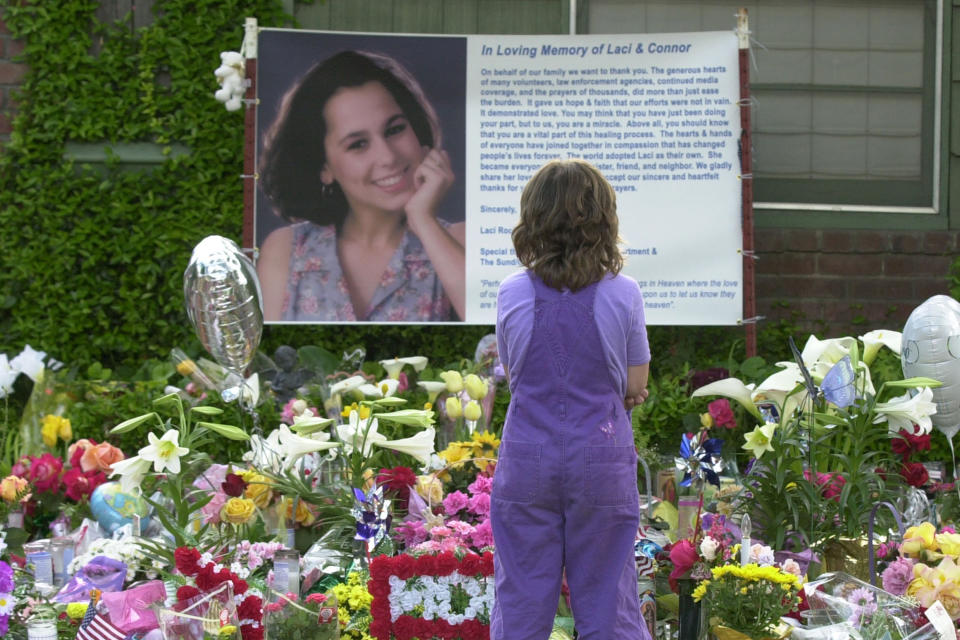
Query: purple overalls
{"x":565,"y":488}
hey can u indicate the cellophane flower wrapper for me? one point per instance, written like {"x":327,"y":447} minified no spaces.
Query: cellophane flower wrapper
{"x":103,"y":573}
{"x":206,"y":613}
{"x":843,"y":607}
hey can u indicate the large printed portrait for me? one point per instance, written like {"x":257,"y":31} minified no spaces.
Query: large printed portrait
{"x":360,"y":154}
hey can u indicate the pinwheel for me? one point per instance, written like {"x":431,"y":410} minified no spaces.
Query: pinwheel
{"x":372,"y":515}
{"x":700,"y":460}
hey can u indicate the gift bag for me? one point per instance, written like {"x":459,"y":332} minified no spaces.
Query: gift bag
{"x":133,"y":610}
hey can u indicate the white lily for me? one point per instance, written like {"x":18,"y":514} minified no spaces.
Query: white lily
{"x":904,"y":412}
{"x":164,"y":452}
{"x":433,"y":388}
{"x":395,"y":365}
{"x":251,"y":390}
{"x":265,"y":453}
{"x":730,"y":388}
{"x":383,"y":389}
{"x":307,"y":423}
{"x":29,"y":362}
{"x":359,"y":434}
{"x":420,"y":446}
{"x":825,"y":352}
{"x":8,"y":376}
{"x":349,"y":384}
{"x":295,"y":447}
{"x":131,"y":472}
{"x":873,"y":340}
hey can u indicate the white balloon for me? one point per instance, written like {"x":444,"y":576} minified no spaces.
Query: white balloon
{"x":931,"y":348}
{"x":223,"y":301}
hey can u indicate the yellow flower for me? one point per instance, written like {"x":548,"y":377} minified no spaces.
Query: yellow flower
{"x":706,"y":420}
{"x":186,"y":367}
{"x":76,"y":610}
{"x":454,"y":409}
{"x":430,"y":489}
{"x":54,"y":427}
{"x":919,"y":538}
{"x":304,"y":517}
{"x":238,"y":510}
{"x":486,"y":439}
{"x":937,"y":583}
{"x":476,"y":387}
{"x":228,"y":631}
{"x":11,"y":487}
{"x":472,"y":411}
{"x":362,"y":411}
{"x":454,"y":381}
{"x":258,"y":488}
{"x":949,"y":543}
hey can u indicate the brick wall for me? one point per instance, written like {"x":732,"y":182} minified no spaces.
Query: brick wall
{"x":11,"y":74}
{"x":844,"y":282}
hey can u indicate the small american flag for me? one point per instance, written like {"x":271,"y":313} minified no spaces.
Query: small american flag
{"x":97,"y":627}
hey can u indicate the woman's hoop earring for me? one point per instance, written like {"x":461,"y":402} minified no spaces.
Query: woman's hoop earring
{"x":326,"y":191}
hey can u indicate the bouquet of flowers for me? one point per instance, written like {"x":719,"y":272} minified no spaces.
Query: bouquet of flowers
{"x":748,"y":601}
{"x":819,"y":452}
{"x":313,"y":619}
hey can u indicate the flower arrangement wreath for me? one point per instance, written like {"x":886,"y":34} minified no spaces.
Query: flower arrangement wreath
{"x":390,"y":615}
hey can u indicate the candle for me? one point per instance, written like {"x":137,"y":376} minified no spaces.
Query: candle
{"x":745,"y":540}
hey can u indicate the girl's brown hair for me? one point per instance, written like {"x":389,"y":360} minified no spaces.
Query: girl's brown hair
{"x":567,"y":233}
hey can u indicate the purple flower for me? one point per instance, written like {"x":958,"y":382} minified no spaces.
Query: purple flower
{"x":897,"y":576}
{"x":864,"y":606}
{"x":6,"y":578}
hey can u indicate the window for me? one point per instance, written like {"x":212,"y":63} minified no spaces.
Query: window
{"x":846,"y":94}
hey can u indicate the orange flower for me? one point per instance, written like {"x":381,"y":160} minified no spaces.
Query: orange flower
{"x":100,"y":457}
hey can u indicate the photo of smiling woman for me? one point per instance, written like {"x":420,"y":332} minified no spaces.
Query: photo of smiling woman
{"x":355,"y":160}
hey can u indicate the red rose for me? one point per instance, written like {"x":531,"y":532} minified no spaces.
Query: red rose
{"x":250,"y":608}
{"x":234,"y":486}
{"x":186,"y":592}
{"x":905,"y":444}
{"x":915,"y":474}
{"x":185,"y":559}
{"x":446,"y":563}
{"x":45,"y":472}
{"x":79,"y":484}
{"x":722,"y":414}
{"x":398,"y":480}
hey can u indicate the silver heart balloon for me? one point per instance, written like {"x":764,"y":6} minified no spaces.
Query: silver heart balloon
{"x":930,"y":347}
{"x":223,"y":301}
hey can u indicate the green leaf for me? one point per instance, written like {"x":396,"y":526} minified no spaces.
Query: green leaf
{"x":226,"y":430}
{"x":133,"y":423}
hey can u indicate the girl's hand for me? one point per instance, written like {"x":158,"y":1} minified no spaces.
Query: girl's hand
{"x":433,"y":179}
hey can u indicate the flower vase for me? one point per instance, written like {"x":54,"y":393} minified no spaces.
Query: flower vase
{"x":689,"y":613}
{"x":687,"y":510}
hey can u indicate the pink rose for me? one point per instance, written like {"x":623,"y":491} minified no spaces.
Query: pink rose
{"x":76,"y":450}
{"x":45,"y":472}
{"x":683,"y":555}
{"x":100,"y":457}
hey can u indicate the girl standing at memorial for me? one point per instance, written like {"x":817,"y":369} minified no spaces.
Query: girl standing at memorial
{"x":355,"y":158}
{"x":572,"y":339}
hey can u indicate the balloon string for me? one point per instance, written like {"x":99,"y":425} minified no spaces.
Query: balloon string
{"x":953,"y":455}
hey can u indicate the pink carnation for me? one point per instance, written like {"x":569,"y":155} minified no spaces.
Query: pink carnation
{"x":454,"y":502}
{"x":897,"y":576}
{"x":480,"y":504}
{"x":482,"y":535}
{"x":483,"y":484}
